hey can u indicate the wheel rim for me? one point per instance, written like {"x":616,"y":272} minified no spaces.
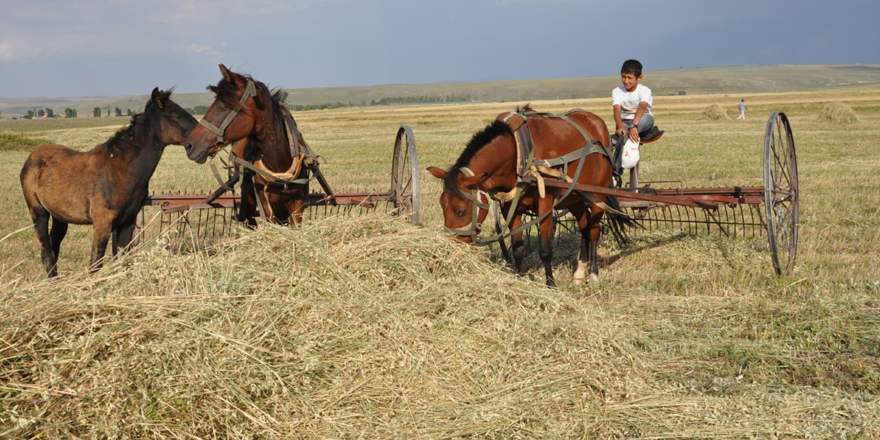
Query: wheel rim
{"x":781,"y":194}
{"x":405,"y":176}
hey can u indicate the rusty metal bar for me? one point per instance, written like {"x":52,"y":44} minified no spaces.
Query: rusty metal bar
{"x":180,"y":202}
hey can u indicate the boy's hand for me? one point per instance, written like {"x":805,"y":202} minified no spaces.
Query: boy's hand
{"x":621,"y":130}
{"x":634,"y":134}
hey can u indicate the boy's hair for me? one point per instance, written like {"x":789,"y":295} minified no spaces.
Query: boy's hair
{"x":632,"y":66}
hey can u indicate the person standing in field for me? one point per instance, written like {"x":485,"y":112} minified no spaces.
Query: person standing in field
{"x":742,"y":110}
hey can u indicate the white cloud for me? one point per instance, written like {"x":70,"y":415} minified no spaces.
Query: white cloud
{"x":512,"y":2}
{"x":200,"y":49}
{"x":222,"y":12}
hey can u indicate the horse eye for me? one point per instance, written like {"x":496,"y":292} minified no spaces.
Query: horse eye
{"x":461,"y":213}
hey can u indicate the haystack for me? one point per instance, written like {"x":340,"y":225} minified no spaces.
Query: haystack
{"x":838,"y":113}
{"x":714,"y":112}
{"x":362,"y":327}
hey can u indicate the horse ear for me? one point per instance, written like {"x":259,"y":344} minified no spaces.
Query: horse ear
{"x":227,"y":75}
{"x":438,"y":173}
{"x":157,"y":98}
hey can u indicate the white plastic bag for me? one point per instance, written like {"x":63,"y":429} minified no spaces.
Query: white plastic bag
{"x":630,"y":157}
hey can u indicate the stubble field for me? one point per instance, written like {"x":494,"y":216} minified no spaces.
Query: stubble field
{"x":365,"y":327}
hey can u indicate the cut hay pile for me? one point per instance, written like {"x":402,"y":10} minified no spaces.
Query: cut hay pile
{"x":10,"y":141}
{"x":838,"y":113}
{"x":354,"y":328}
{"x":82,"y":140}
{"x":714,"y":112}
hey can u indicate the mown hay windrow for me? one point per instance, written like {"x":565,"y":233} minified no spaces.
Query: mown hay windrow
{"x":19,"y":142}
{"x":714,"y":112}
{"x":839,"y":113}
{"x":351,"y":327}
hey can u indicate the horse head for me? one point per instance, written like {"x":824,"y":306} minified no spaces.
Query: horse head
{"x":486,"y":165}
{"x":464,"y":203}
{"x":175,"y":123}
{"x":231,"y":117}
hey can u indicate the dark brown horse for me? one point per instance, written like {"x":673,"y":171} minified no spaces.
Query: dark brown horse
{"x":250,"y":116}
{"x":517,"y":148}
{"x":105,"y":187}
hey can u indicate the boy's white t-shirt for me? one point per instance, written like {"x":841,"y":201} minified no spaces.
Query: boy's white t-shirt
{"x":629,"y":101}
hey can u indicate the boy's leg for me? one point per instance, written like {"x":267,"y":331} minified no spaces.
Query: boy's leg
{"x":646,"y":122}
{"x":634,"y":177}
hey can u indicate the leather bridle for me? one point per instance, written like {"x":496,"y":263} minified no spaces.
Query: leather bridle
{"x":476,"y":196}
{"x":249,"y":91}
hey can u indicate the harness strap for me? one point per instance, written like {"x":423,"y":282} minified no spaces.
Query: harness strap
{"x":271,"y":177}
{"x":539,"y":218}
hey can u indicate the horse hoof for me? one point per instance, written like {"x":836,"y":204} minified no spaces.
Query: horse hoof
{"x":594,"y":278}
{"x":578,"y":281}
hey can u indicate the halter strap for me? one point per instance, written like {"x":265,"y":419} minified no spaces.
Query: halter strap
{"x":220,"y":131}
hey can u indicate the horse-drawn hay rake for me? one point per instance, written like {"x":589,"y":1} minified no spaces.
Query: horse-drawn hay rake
{"x":731,"y":211}
{"x":190,"y":219}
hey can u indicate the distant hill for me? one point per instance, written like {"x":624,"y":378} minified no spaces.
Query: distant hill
{"x":705,"y":80}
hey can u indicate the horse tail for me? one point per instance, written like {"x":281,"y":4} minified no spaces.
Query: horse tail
{"x":618,"y":222}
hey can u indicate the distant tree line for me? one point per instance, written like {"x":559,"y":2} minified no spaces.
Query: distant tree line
{"x":420,"y":100}
{"x":98,"y":112}
{"x":423,"y":99}
{"x":298,"y":107}
{"x":39,"y":113}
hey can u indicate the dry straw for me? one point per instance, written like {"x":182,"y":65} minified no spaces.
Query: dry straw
{"x":839,"y":113}
{"x":714,"y":112}
{"x":354,"y":328}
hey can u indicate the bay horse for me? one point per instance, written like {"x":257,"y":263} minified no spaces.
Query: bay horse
{"x":266,"y":142}
{"x":105,"y":187}
{"x":498,"y":161}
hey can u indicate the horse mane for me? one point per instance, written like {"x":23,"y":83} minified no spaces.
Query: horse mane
{"x":128,"y":137}
{"x":477,"y":142}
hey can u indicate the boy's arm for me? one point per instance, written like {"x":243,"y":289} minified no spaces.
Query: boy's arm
{"x":618,"y":120}
{"x":634,"y":134}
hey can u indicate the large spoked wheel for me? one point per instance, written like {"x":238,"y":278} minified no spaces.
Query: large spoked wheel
{"x":405,"y":176}
{"x":781,"y":194}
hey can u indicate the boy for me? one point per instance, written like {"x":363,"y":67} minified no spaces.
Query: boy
{"x":632,"y":112}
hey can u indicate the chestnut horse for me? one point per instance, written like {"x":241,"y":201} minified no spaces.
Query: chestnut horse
{"x":105,"y":187}
{"x":504,"y":159}
{"x":267,"y":143}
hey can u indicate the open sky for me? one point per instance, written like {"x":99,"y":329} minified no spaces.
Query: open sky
{"x":59,"y":48}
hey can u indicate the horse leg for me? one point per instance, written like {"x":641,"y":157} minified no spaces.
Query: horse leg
{"x":594,"y":232}
{"x":48,"y":252}
{"x":122,"y":237}
{"x":545,"y":238}
{"x":517,"y":246}
{"x":247,"y":208}
{"x":298,"y":206}
{"x":584,"y":256}
{"x":102,"y":231}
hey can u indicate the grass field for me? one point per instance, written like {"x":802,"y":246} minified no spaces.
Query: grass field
{"x":355,"y":328}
